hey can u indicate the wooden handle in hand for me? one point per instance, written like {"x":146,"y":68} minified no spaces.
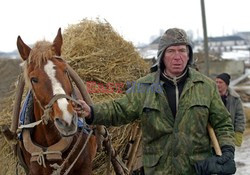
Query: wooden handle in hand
{"x":214,"y":140}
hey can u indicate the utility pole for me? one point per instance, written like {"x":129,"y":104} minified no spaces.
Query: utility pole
{"x":203,"y":13}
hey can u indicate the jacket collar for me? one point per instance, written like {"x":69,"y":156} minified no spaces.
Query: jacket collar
{"x":233,"y":92}
{"x":193,"y":77}
{"x":154,"y":77}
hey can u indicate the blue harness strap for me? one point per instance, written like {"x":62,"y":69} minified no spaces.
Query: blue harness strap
{"x":23,"y":112}
{"x":24,"y":108}
{"x":83,"y":125}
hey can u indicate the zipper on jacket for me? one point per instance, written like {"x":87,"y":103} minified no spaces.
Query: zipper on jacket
{"x":175,"y":80}
{"x":176,"y":92}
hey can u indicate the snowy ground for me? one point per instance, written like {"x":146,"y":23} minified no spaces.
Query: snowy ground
{"x":242,"y":155}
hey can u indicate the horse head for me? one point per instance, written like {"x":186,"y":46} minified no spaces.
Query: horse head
{"x":47,"y":75}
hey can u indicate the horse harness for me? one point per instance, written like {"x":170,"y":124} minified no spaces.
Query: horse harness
{"x":55,"y":151}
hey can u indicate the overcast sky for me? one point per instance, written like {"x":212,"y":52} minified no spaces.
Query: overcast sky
{"x":134,"y":20}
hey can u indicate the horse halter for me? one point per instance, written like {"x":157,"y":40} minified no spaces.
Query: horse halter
{"x":47,"y":109}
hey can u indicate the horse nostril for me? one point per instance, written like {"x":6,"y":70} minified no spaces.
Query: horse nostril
{"x":61,"y":122}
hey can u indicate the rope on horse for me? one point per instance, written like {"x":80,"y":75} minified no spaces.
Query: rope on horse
{"x":40,"y":159}
{"x":58,"y":168}
{"x":85,"y":144}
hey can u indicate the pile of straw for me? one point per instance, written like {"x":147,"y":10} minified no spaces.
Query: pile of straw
{"x":98,"y":54}
{"x":7,"y":158}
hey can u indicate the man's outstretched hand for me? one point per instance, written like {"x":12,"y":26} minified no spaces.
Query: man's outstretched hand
{"x":82,"y":109}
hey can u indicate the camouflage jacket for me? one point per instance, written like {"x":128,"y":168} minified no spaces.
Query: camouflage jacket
{"x":171,"y":145}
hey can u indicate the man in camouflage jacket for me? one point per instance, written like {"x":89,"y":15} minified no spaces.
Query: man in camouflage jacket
{"x":174,"y":104}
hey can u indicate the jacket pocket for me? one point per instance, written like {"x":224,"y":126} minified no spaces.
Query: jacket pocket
{"x":198,"y":157}
{"x":197,"y":119}
{"x":150,"y":117}
{"x":154,"y":127}
{"x":200,"y":101}
{"x":199,"y":108}
{"x":151,"y":157}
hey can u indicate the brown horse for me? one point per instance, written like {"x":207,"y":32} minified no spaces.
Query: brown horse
{"x":55,"y":144}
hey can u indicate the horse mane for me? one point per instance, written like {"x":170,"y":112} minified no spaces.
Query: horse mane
{"x":40,"y":53}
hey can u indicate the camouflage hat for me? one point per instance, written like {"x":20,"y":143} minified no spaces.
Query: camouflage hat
{"x":171,"y":37}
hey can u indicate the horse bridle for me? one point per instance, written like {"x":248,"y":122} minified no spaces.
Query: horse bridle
{"x":47,"y":108}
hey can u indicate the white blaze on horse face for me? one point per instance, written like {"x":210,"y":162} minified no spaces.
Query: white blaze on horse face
{"x":57,"y":89}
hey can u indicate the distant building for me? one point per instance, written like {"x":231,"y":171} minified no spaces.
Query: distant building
{"x":225,"y":43}
{"x":245,"y":36}
{"x":150,"y":51}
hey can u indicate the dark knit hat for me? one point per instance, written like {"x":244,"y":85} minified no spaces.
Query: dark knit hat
{"x":225,"y":77}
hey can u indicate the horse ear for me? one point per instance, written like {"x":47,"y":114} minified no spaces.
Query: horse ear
{"x":23,"y":49}
{"x":57,"y":43}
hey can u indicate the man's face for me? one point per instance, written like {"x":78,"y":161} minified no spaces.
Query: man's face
{"x":222,"y":86}
{"x":175,"y":60}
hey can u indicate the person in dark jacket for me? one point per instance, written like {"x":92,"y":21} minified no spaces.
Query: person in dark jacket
{"x":233,"y":103}
{"x":174,"y":104}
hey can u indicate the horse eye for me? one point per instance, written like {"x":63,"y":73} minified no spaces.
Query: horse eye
{"x":34,"y":80}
